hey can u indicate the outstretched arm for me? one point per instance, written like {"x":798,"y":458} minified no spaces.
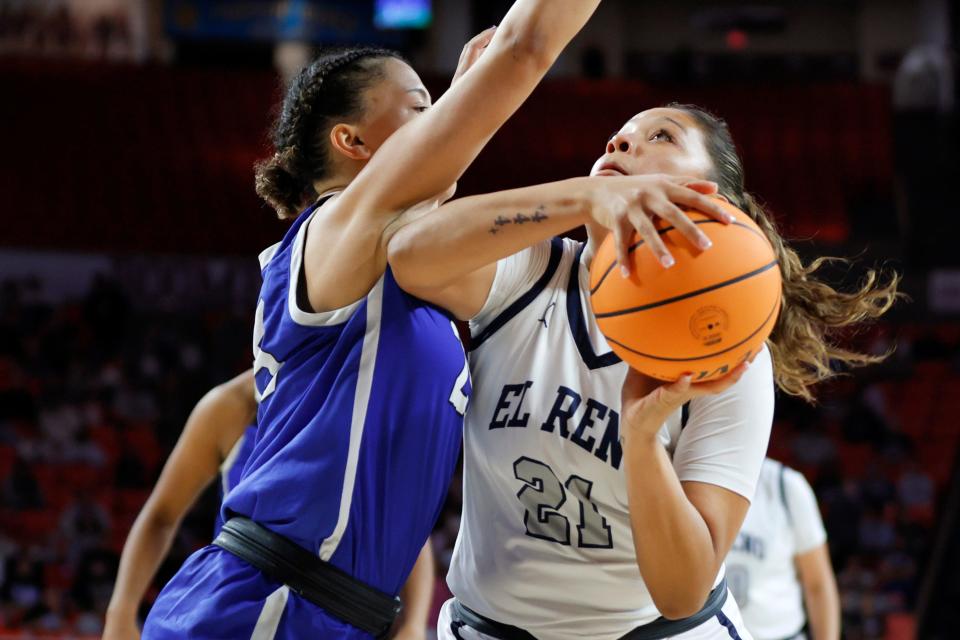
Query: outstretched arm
{"x":426,"y":156}
{"x":449,"y":257}
{"x":215,"y":424}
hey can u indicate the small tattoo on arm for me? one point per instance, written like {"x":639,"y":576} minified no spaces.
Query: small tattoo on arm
{"x":519,"y":218}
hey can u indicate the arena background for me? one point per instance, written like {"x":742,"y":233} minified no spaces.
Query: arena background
{"x":130,"y":229}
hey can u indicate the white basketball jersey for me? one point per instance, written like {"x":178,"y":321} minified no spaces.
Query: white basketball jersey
{"x":545,"y":541}
{"x":783,"y":521}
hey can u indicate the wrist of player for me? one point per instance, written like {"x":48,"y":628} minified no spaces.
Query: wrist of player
{"x":642,"y":429}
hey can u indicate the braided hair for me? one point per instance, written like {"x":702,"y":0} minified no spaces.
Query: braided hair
{"x":804,"y":343}
{"x":328,"y":89}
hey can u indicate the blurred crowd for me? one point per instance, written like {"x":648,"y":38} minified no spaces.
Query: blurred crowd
{"x":89,"y":29}
{"x":94,"y":392}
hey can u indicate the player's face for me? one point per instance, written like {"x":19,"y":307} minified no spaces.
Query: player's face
{"x":659,"y":140}
{"x":392,"y":102}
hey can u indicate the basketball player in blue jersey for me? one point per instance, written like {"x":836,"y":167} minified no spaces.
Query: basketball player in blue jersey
{"x":217,"y":438}
{"x":362,"y":387}
{"x":598,"y":503}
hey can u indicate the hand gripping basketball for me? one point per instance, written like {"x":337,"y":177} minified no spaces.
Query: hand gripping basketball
{"x":647,"y":402}
{"x":706,"y":315}
{"x":632,"y":203}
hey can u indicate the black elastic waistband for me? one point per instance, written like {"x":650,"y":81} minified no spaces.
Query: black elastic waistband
{"x":656,"y":630}
{"x":663,"y":628}
{"x":338,"y":593}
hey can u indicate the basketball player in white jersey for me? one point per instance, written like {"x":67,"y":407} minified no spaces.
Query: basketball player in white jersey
{"x":597,"y":504}
{"x":780,"y":564}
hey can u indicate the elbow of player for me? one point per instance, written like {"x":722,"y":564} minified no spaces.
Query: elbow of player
{"x":530,"y":46}
{"x":407,"y":266}
{"x":678,"y":604}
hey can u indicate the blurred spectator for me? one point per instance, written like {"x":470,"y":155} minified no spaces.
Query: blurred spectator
{"x":23,"y":583}
{"x":84,"y":523}
{"x":875,"y":488}
{"x":876,"y":531}
{"x":21,"y":490}
{"x":811,"y":446}
{"x":48,"y":614}
{"x":61,"y":28}
{"x":915,"y":488}
{"x":93,"y":585}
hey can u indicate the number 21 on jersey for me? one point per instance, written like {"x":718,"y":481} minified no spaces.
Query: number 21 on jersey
{"x":543,"y":495}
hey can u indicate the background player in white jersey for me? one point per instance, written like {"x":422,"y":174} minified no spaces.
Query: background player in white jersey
{"x":780,"y":564}
{"x":585,"y":516}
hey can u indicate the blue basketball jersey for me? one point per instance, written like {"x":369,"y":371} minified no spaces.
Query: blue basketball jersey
{"x":232,"y":467}
{"x":360,"y":421}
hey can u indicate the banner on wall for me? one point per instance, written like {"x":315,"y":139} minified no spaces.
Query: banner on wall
{"x":317,"y":21}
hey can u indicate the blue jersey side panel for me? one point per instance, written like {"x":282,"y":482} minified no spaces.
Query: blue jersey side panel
{"x":411,"y":441}
{"x":230,"y":474}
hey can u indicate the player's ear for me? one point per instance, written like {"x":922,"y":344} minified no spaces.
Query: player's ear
{"x":345,"y":140}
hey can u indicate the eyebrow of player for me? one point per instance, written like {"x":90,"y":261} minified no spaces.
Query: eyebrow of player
{"x":682,"y":128}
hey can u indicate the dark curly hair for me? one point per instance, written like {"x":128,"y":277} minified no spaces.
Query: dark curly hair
{"x":328,"y":89}
{"x":804,"y":343}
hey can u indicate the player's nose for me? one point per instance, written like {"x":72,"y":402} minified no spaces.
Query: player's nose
{"x":620,"y":142}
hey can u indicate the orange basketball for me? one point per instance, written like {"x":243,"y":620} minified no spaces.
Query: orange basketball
{"x":710,"y":311}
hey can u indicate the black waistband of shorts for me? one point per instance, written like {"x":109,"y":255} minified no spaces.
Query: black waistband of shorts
{"x":337,"y":592}
{"x":663,"y":628}
{"x":656,"y":630}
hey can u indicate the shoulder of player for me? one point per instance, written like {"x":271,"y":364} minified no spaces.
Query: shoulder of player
{"x":794,"y":481}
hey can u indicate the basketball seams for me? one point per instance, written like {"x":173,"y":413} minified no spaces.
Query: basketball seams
{"x":690,"y":294}
{"x":633,"y":248}
{"x":772,"y":314}
{"x":640,"y":243}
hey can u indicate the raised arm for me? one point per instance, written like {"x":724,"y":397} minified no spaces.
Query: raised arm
{"x":685,"y":512}
{"x":430,"y":153}
{"x":214,"y":426}
{"x":424,"y":158}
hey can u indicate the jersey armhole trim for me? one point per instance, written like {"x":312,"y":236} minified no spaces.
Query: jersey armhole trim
{"x":267,"y":255}
{"x":308,"y":318}
{"x":578,"y":324}
{"x":783,"y":493}
{"x":556,"y":251}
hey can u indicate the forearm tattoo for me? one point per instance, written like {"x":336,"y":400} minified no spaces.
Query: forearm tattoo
{"x":501,"y":221}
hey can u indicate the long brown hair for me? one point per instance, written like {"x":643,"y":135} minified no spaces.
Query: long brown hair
{"x":804,"y":342}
